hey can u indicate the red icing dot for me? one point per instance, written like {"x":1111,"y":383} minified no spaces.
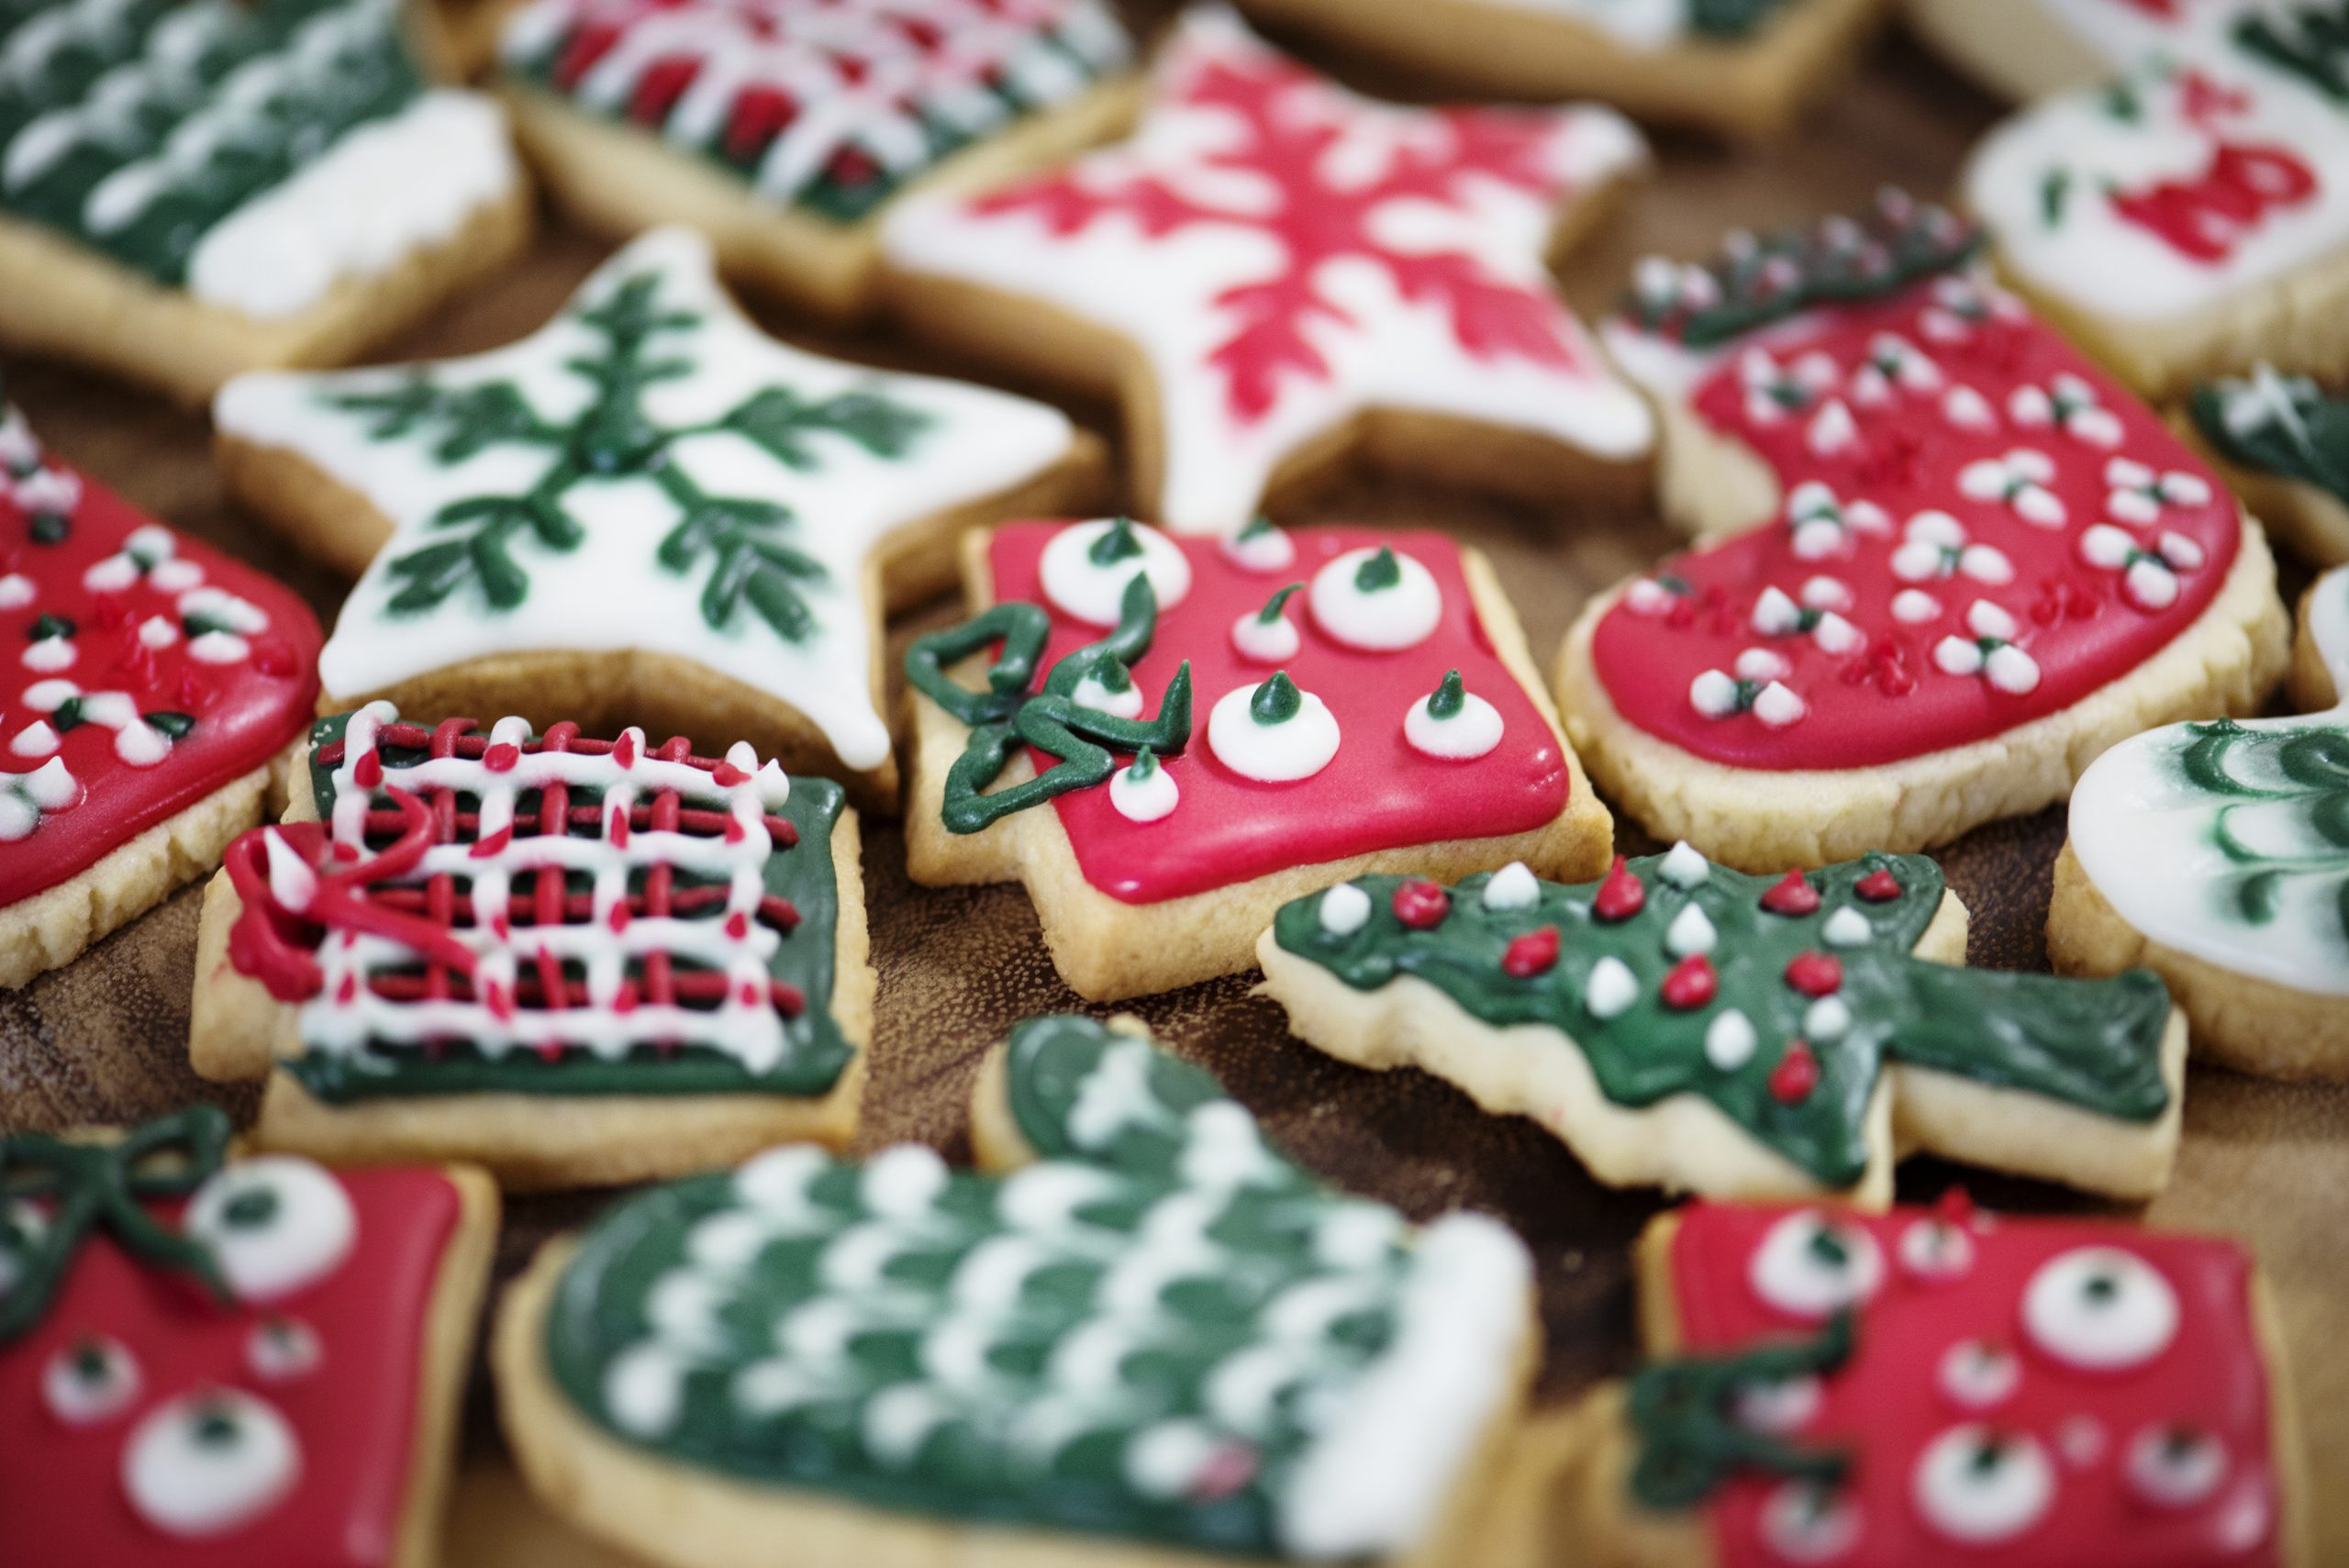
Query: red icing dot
{"x":368,"y":772}
{"x":617,"y":918}
{"x":1621,"y":896}
{"x":549,"y":1050}
{"x":1879,"y":887}
{"x":738,"y":925}
{"x":624,"y":751}
{"x":1816,"y":973}
{"x":1691,"y":982}
{"x":1533,"y":953}
{"x":492,"y":846}
{"x":726,"y":775}
{"x":1792,"y":895}
{"x":1421,"y":905}
{"x":1796,"y":1075}
{"x":502,"y":757}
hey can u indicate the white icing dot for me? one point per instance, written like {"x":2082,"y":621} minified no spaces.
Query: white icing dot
{"x":2172,"y":1467}
{"x":1684,"y":867}
{"x":1094,"y":693}
{"x":50,"y":654}
{"x":2011,"y":670}
{"x":141,"y":744}
{"x":1847,"y":927}
{"x":2100,"y":1309}
{"x":1975,"y":1374}
{"x":280,"y":1350}
{"x":1915,"y":606}
{"x":1826,"y":1019}
{"x":1093,"y":592}
{"x":90,"y":1381}
{"x":2080,"y":1439}
{"x":175,"y":576}
{"x":1980,"y":1487}
{"x":1776,"y":706}
{"x":1691,"y":931}
{"x":15,"y":591}
{"x":110,"y":574}
{"x":1344,"y":909}
{"x":1514,"y":886}
{"x":1933,"y":1249}
{"x":1274,"y":641}
{"x":1730,"y":1041}
{"x":1470,"y":733}
{"x":1812,"y":1266}
{"x":1265,"y":549}
{"x":158,"y":631}
{"x":1295,"y":748}
{"x":275,"y":1223}
{"x":206,"y":1462}
{"x":1760,"y":664}
{"x":644,"y":1389}
{"x":1163,"y":1459}
{"x":1146,"y":799}
{"x":35,"y":739}
{"x":1803,"y":1523}
{"x":1377,"y":619}
{"x":1610,"y":990}
{"x":1713,"y":692}
{"x":1779,"y":1405}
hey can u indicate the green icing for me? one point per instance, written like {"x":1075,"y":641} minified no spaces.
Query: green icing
{"x":1276,"y":701}
{"x":739,"y":544}
{"x":2310,"y":41}
{"x":1730,"y":18}
{"x":2096,"y":1044}
{"x":817,"y":1052}
{"x":2278,"y":425}
{"x":1684,"y":1418}
{"x":2304,"y":768}
{"x":1140,"y":1336}
{"x":135,"y":126}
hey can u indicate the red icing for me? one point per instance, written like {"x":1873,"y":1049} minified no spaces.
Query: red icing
{"x":1796,"y":1075}
{"x":245,"y":712}
{"x":1535,"y":952}
{"x":1885,"y":1406}
{"x":1621,"y":896}
{"x":1792,"y":895}
{"x":1816,"y":973}
{"x":1880,"y":886}
{"x":1376,"y":794}
{"x":1421,"y":905}
{"x":1691,"y":982}
{"x":1884,"y":698}
{"x":61,"y":1499}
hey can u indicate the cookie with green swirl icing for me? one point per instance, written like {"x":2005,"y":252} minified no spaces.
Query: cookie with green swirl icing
{"x":1681,"y":1024}
{"x":1142,"y":1333}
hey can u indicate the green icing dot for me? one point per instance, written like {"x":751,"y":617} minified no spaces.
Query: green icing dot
{"x":1449,"y":698}
{"x":1276,"y":701}
{"x":1272,"y":610}
{"x":1381,"y":571}
{"x":1118,"y":544}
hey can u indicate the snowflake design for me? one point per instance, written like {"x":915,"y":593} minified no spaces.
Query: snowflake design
{"x":2148,"y":576}
{"x":2140,"y":495}
{"x":1776,"y":612}
{"x":1757,"y":685}
{"x":1935,"y":544}
{"x":2019,"y":481}
{"x":2067,"y":403}
{"x":1990,"y":652}
{"x":1773,"y":391}
{"x":1894,"y":365}
{"x":1824,"y":527}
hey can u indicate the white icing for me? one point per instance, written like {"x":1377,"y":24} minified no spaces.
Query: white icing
{"x":1610,"y":990}
{"x":1262,"y":641}
{"x":1826,"y":1019}
{"x":1094,"y":592}
{"x":1344,"y":909}
{"x":1684,"y":867}
{"x":1296,"y":748}
{"x":1812,"y":1266}
{"x":1266,"y":550}
{"x":1143,"y":800}
{"x":188,"y":1483}
{"x":1730,"y":1041}
{"x":1936,"y":1249}
{"x":1691,"y":931}
{"x":1975,"y":1374}
{"x":1978,"y":1502}
{"x":1915,"y":606}
{"x":275,"y":1224}
{"x":282,"y":1350}
{"x":610,"y":594}
{"x":1379,"y":620}
{"x":1800,"y":1525}
{"x":1847,"y":927}
{"x":1514,"y":886}
{"x":84,"y":1395}
{"x":1094,"y":693}
{"x":1467,"y":735}
{"x":15,"y":591}
{"x":2100,"y":1309}
{"x":1783,"y":1406}
{"x":1165,"y":294}
{"x":2175,"y":1469}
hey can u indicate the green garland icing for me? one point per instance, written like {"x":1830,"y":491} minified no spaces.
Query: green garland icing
{"x":2093,"y":1043}
{"x":2310,"y":41}
{"x":2306,"y":766}
{"x":740,"y":544}
{"x":897,"y":1335}
{"x":120,"y":86}
{"x":817,"y":1051}
{"x":1005,"y":717}
{"x":86,"y":1187}
{"x":1730,"y":18}
{"x":1684,"y":1417}
{"x":2278,"y":425}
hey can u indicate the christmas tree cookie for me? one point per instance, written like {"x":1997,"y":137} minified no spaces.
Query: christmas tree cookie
{"x":1683,"y":1025}
{"x":1744,"y":67}
{"x":1141,"y":1336}
{"x":1938,"y":1388}
{"x":2282,"y":443}
{"x":648,"y":513}
{"x":191,"y":190}
{"x":1168,"y":737}
{"x":211,"y":1362}
{"x":785,"y":131}
{"x":2190,"y":217}
{"x":2218,"y":855}
{"x":150,"y":692}
{"x":1944,"y":560}
{"x":1275,"y":273}
{"x":571,"y":960}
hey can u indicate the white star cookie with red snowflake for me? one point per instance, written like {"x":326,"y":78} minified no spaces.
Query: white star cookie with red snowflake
{"x":1275,"y":272}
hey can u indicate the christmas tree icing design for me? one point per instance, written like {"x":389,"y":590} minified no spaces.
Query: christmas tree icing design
{"x":2282,"y":424}
{"x":1287,"y":256}
{"x":1159,"y":1329}
{"x":2229,"y":840}
{"x":1787,"y":1003}
{"x":651,"y":472}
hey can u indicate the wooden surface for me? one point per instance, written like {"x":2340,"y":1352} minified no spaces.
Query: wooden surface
{"x":104,"y":1039}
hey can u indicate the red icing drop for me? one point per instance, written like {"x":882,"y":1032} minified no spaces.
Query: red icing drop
{"x":1535,"y":952}
{"x":1880,"y":886}
{"x":1420,"y":905}
{"x":1691,"y":982}
{"x":1792,"y":895}
{"x":1816,"y":973}
{"x":1796,"y":1075}
{"x":1621,"y":896}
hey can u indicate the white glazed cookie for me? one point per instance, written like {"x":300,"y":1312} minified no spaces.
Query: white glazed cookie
{"x":2218,"y":854}
{"x":190,"y":191}
{"x":785,"y":130}
{"x":649,"y":512}
{"x":1274,"y":273}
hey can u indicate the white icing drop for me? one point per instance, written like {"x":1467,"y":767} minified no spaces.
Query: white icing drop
{"x":1977,"y":1500}
{"x":1150,"y":799}
{"x":1296,"y":748}
{"x":1266,"y":550}
{"x":1691,"y":931}
{"x":275,"y":1223}
{"x":1344,"y":909}
{"x":1514,"y":886}
{"x":1975,"y":1374}
{"x":1826,"y":1019}
{"x":1803,"y":1526}
{"x":89,"y":1381}
{"x":1730,"y":1041}
{"x":1093,"y":592}
{"x":1274,"y":641}
{"x":1610,"y":990}
{"x":282,"y":1350}
{"x":1093,"y":692}
{"x":1467,"y":735}
{"x":1684,"y":867}
{"x":2100,"y":1308}
{"x":1934,"y":1249}
{"x":1812,"y":1266}
{"x":2175,"y":1468}
{"x":1779,"y":1406}
{"x":1379,"y":620}
{"x":206,"y":1462}
{"x":1847,"y":927}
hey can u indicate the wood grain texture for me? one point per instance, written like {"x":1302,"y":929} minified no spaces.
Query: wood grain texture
{"x":103,"y":1040}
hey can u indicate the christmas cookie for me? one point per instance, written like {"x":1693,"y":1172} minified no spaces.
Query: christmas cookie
{"x":2191,"y":217}
{"x":1143,"y":1336}
{"x":1747,"y":67}
{"x":572,"y":960}
{"x":2027,"y":49}
{"x":1946,"y":561}
{"x":187,"y":191}
{"x":1275,"y":274}
{"x":648,"y":513}
{"x":2218,"y":854}
{"x":149,"y":691}
{"x":2282,"y":444}
{"x":229,"y":1364}
{"x":1168,"y":737}
{"x":1684,"y":1025}
{"x":1938,"y":1388}
{"x":786,"y":130}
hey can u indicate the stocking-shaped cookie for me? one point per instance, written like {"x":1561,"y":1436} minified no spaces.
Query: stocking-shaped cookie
{"x":1941,"y":1389}
{"x":571,"y":960}
{"x":2218,"y":854}
{"x":1685,"y":1025}
{"x":248,"y":1363}
{"x":1964,"y":561}
{"x":149,"y":688}
{"x":2282,"y":444}
{"x":1153,"y":1335}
